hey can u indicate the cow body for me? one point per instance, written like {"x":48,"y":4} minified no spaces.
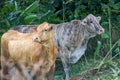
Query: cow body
{"x":26,"y":53}
{"x":71,"y":39}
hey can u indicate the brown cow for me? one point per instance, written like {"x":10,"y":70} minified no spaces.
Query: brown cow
{"x":13,"y":41}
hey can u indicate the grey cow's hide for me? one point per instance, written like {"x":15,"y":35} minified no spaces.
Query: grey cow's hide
{"x":77,"y":54}
{"x":73,"y":42}
{"x":71,"y":39}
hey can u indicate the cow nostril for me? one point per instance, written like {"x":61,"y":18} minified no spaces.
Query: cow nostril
{"x":101,"y":31}
{"x":36,"y":38}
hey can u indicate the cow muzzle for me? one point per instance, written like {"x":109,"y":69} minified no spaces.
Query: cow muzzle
{"x":36,"y":39}
{"x":101,"y":31}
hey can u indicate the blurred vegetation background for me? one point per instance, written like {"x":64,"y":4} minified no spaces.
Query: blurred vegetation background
{"x":103,"y":51}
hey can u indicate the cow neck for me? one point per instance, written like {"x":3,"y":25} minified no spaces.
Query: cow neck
{"x":49,"y":43}
{"x":50,"y":48}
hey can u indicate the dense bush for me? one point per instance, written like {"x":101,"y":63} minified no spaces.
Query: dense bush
{"x":19,"y":12}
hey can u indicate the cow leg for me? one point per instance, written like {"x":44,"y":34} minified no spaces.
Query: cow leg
{"x":4,"y":71}
{"x":66,"y":66}
{"x":37,"y":73}
{"x":15,"y":74}
{"x":40,"y":76}
{"x":51,"y":73}
{"x":4,"y":76}
{"x":23,"y":71}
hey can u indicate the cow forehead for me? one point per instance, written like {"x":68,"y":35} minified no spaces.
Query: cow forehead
{"x":44,"y":25}
{"x":92,"y":17}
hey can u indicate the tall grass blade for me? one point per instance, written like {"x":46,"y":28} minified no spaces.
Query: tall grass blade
{"x":97,"y":49}
{"x":16,"y":6}
{"x":30,"y":8}
{"x":103,"y":61}
{"x":30,"y":18}
{"x":110,"y":27}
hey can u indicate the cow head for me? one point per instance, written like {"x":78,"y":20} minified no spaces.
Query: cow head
{"x":42,"y":26}
{"x":92,"y":24}
{"x":44,"y":35}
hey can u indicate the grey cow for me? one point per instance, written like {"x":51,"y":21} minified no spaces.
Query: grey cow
{"x":71,"y":39}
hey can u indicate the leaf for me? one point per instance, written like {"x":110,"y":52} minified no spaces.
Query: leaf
{"x":3,"y":30}
{"x":116,"y":6}
{"x":119,"y":43}
{"x":105,"y":35}
{"x":98,"y":48}
{"x":30,"y":18}
{"x":76,"y":13}
{"x":117,"y":50}
{"x":7,"y":22}
{"x":16,"y":6}
{"x":44,"y":15}
{"x":30,"y":8}
{"x":104,"y":6}
{"x":104,"y":23}
{"x":58,"y":12}
{"x":83,"y":7}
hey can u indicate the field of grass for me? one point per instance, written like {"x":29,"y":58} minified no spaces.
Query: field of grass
{"x":90,"y":69}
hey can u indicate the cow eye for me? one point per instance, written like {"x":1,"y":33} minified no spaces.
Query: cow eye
{"x":45,"y":29}
{"x":91,"y":21}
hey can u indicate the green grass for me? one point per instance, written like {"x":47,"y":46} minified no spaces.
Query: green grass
{"x":90,"y":71}
{"x":95,"y":67}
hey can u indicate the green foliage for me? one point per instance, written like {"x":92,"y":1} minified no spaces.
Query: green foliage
{"x":96,"y":53}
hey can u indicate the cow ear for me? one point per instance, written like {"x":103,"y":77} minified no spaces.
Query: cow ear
{"x":84,"y":22}
{"x":42,"y":26}
{"x":38,"y":29}
{"x":75,"y":22}
{"x":99,"y":18}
